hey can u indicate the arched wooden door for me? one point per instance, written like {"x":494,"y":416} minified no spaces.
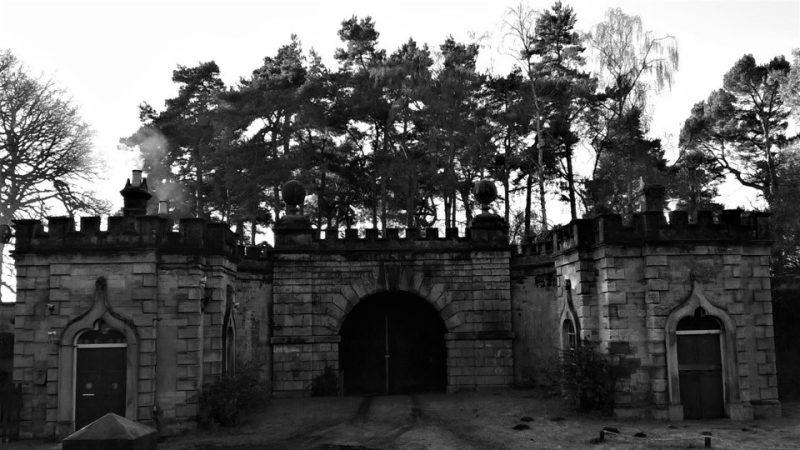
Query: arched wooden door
{"x":393,"y":342}
{"x":100,"y":375}
{"x":700,"y":366}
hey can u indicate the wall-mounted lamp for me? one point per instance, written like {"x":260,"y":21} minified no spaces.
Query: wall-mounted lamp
{"x":51,"y":308}
{"x":51,"y":336}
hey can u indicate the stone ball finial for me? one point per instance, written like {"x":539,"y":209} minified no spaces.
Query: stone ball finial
{"x":294,"y":194}
{"x":485,"y":192}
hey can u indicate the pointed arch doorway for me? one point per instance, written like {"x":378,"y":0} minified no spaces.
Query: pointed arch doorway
{"x":702,"y":371}
{"x":393,"y":342}
{"x":79,"y":336}
{"x":100,"y":374}
{"x":700,"y":366}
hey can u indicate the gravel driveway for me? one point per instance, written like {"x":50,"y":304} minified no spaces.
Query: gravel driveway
{"x":475,"y":420}
{"x":470,"y":420}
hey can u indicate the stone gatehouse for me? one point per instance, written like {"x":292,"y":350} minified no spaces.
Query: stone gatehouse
{"x":684,"y":309}
{"x":136,"y":317}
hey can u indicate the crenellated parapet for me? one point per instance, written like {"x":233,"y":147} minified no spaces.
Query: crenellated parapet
{"x":293,"y":231}
{"x":192,"y":236}
{"x":373,"y":239}
{"x":310,"y":239}
{"x":390,"y":234}
{"x":728,"y":226}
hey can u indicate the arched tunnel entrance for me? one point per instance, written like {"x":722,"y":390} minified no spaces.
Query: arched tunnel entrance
{"x":393,"y":342}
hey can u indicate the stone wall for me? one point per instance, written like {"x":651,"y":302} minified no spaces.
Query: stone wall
{"x":535,"y":315}
{"x":53,"y":292}
{"x":165,"y":290}
{"x":189,"y":300}
{"x":253,"y":316}
{"x":629,"y":283}
{"x":786,"y":314}
{"x":7,"y":338}
{"x":318,"y":281}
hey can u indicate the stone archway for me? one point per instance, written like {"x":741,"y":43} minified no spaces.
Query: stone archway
{"x":393,"y":278}
{"x":310,"y":308}
{"x":99,"y":313}
{"x":393,"y":342}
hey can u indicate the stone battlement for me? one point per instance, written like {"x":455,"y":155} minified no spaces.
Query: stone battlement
{"x":390,"y":238}
{"x":390,"y":234}
{"x":726,"y":226}
{"x":293,"y":231}
{"x":193,"y":236}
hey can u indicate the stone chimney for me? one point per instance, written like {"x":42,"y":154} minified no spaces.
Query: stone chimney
{"x":135,"y":195}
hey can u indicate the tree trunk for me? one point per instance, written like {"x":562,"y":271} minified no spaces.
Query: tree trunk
{"x":467,"y":205}
{"x":276,"y":191}
{"x":410,"y":200}
{"x":198,"y":187}
{"x":2,"y":269}
{"x":454,"y":205}
{"x":528,"y":189}
{"x":384,"y":180}
{"x":446,"y":201}
{"x":452,"y":183}
{"x":375,"y":192}
{"x":240,"y":227}
{"x":276,"y":188}
{"x":507,"y":199}
{"x":540,"y":176}
{"x":571,"y":187}
{"x":770,"y":162}
{"x":383,"y":206}
{"x":506,"y":181}
{"x":321,"y":203}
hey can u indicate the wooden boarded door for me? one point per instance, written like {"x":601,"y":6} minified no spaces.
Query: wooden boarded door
{"x":100,"y":376}
{"x":393,"y":342}
{"x":700,"y":368}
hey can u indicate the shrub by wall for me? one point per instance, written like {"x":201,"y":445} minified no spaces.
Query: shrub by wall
{"x":223,"y":402}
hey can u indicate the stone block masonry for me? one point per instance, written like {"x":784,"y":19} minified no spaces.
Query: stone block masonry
{"x":164,"y":290}
{"x":190,"y":301}
{"x":318,"y":284}
{"x":632,"y":285}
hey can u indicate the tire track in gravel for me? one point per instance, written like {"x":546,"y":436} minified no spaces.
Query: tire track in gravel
{"x":463,"y":433}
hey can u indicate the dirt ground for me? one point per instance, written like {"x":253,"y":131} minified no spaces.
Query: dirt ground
{"x":474,"y":420}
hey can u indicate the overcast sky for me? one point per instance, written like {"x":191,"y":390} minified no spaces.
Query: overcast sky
{"x":113,"y":55}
